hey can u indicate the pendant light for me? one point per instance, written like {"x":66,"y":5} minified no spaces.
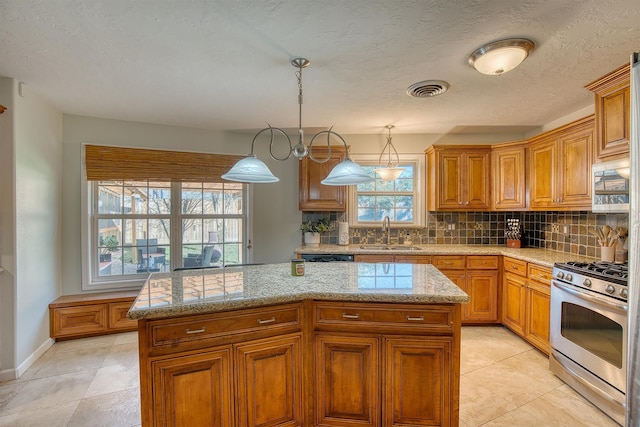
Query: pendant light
{"x":391,"y":171}
{"x":253,"y":170}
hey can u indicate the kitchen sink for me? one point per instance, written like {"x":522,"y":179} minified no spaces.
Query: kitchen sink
{"x":390,"y":248}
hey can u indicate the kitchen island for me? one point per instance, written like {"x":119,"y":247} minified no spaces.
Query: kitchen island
{"x":345,"y":344}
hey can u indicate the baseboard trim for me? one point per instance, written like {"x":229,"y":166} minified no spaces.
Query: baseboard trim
{"x":12,"y":374}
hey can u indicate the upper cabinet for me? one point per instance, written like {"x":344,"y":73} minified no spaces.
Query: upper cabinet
{"x":560,"y":167}
{"x":314,"y":196}
{"x":508,"y":176}
{"x":612,"y":106}
{"x":458,"y":177}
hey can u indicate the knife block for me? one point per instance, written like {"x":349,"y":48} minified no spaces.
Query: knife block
{"x":514,"y":243}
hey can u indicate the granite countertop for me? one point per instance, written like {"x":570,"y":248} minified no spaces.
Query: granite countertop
{"x":222,"y":289}
{"x":539,"y":256}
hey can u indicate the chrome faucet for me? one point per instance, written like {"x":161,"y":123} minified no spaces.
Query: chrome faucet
{"x":386,"y":230}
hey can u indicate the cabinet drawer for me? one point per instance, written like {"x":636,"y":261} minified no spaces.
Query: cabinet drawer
{"x":171,"y":332}
{"x":515,"y":266}
{"x":81,"y":320}
{"x":387,"y":316}
{"x":482,"y":262}
{"x":118,"y":316}
{"x":449,"y":262}
{"x":540,"y":274}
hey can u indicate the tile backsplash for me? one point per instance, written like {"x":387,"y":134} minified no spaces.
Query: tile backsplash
{"x":561,"y":231}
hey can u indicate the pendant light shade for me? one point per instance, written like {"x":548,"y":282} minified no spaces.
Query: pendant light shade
{"x":347,"y":173}
{"x":250,"y":170}
{"x":390,"y":172}
{"x":501,"y":56}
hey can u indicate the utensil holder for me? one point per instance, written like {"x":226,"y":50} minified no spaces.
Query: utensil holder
{"x":607,"y":253}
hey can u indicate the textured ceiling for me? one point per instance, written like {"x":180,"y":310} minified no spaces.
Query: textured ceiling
{"x":225,"y":64}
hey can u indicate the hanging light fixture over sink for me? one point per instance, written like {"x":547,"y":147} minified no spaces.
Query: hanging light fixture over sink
{"x":253,"y":170}
{"x":391,"y":171}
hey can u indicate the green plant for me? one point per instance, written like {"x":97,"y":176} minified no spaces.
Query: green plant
{"x":319,"y":226}
{"x":109,"y":243}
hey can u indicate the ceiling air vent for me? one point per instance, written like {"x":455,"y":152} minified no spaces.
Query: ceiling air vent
{"x":428,"y":88}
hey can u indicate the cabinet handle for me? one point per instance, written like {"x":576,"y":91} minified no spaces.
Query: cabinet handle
{"x":195,"y":331}
{"x":415,"y":319}
{"x":515,"y":267}
{"x":447,"y":262}
{"x":264,"y":322}
{"x":350,"y":316}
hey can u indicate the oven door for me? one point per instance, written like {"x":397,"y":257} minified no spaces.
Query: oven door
{"x":591,"y":330}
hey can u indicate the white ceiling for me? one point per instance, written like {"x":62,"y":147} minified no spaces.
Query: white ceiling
{"x":225,"y":64}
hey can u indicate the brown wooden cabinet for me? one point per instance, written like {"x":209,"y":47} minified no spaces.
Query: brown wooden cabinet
{"x":458,"y":177}
{"x":385,"y":364}
{"x":315,"y":363}
{"x":90,"y":314}
{"x":347,"y":380}
{"x":193,"y":389}
{"x":612,"y":104}
{"x":560,"y":167}
{"x":477,"y":275}
{"x":526,"y":296}
{"x":269,"y":382}
{"x":508,"y":176}
{"x":314,"y":196}
{"x":418,"y":372}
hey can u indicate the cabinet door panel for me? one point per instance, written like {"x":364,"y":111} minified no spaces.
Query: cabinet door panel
{"x":538,"y":303}
{"x":314,"y":196}
{"x":513,"y":303}
{"x":509,"y":183}
{"x":193,"y":390}
{"x":269,"y":382}
{"x":482,"y":287}
{"x":450,"y":190}
{"x":577,"y":158}
{"x":347,"y":380}
{"x":543,"y":159}
{"x":477,"y":181}
{"x":418,"y":378}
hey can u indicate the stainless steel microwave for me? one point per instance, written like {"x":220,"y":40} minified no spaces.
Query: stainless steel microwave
{"x":611,"y":186}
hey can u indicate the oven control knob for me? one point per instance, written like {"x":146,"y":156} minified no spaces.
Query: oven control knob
{"x":587,"y":283}
{"x":610,"y":289}
{"x":569,"y":277}
{"x":560,"y":275}
{"x":624,"y":293}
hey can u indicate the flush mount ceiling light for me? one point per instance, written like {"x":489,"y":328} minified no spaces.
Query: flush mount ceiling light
{"x":501,"y":56}
{"x":391,"y":171}
{"x":253,"y":170}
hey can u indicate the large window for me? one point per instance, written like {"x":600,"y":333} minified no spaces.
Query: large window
{"x":401,"y":200}
{"x":144,"y":226}
{"x":134,"y":225}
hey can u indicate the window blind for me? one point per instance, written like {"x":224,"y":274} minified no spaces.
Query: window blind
{"x":104,"y":163}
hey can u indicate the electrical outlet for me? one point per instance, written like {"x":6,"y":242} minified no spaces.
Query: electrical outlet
{"x":478,"y":226}
{"x":451,"y":227}
{"x":566,"y":229}
{"x":555,"y":228}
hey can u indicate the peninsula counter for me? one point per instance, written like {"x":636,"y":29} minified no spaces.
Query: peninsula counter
{"x":345,"y":344}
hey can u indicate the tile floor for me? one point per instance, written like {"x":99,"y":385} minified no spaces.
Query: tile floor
{"x":94,"y":382}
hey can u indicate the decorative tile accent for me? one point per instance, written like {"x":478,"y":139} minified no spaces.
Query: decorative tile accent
{"x":560,"y":231}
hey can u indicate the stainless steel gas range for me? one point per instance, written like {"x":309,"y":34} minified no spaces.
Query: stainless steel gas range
{"x":588,"y":332}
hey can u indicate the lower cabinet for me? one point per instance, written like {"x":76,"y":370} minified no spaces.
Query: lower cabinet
{"x":315,"y":363}
{"x":405,"y":259}
{"x":526,"y":297}
{"x":193,"y":390}
{"x":477,"y":275}
{"x":347,"y":380}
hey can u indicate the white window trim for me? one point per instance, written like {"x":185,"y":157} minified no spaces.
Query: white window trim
{"x":88,"y":259}
{"x":419,"y":211}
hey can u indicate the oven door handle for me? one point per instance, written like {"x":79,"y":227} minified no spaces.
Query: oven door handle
{"x":589,"y":297}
